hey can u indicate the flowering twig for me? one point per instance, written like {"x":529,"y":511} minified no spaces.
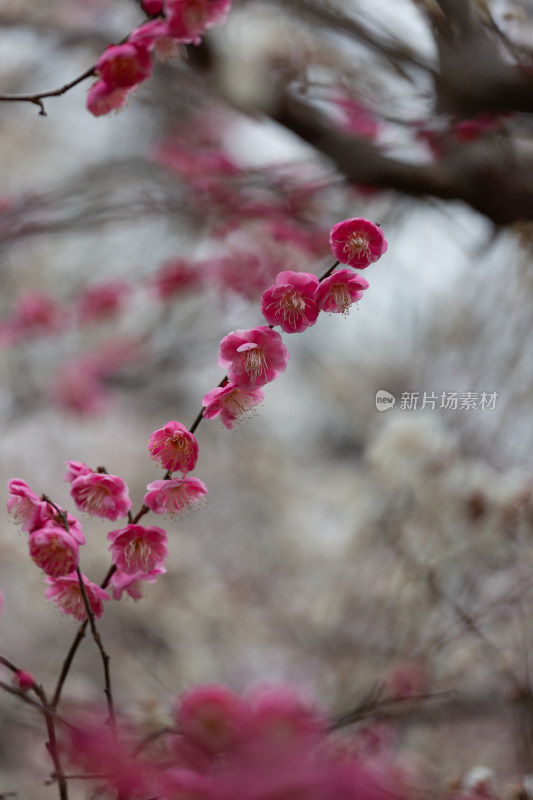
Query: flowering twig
{"x":37,"y":98}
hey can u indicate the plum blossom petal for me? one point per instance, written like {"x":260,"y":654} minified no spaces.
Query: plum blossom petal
{"x":65,"y":592}
{"x":136,"y":548}
{"x":54,"y":550}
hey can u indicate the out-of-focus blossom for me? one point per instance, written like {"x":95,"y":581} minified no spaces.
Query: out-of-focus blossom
{"x":136,"y":548}
{"x":101,"y":495}
{"x":232,"y":404}
{"x":253,"y":357}
{"x":340,"y":290}
{"x":189,"y":19}
{"x":280,"y":714}
{"x":65,"y":592}
{"x":24,"y":680}
{"x":77,"y":387}
{"x":174,"y":447}
{"x":357,"y":242}
{"x":213,"y":717}
{"x":54,"y":550}
{"x":174,"y":277}
{"x":102,"y":301}
{"x":36,"y":313}
{"x":102,"y":99}
{"x":123,"y":66}
{"x":174,"y":496}
{"x":132,"y":583}
{"x":152,"y":7}
{"x":290,"y":303}
{"x":355,"y":117}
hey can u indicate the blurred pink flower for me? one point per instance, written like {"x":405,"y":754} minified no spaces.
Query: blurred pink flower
{"x":102,"y":99}
{"x":138,"y":549}
{"x":189,"y":19}
{"x":174,"y":496}
{"x":36,"y":313}
{"x":132,"y":583}
{"x":24,"y":680}
{"x":54,"y":550}
{"x":173,"y":277}
{"x":357,"y":242}
{"x":356,"y":118}
{"x":77,"y":387}
{"x":102,"y":300}
{"x":338,"y":291}
{"x":174,"y":447}
{"x":101,"y":495}
{"x":213,"y":717}
{"x":123,"y":66}
{"x":152,"y":7}
{"x":253,"y":357}
{"x":290,"y":303}
{"x":231,"y":403}
{"x":65,"y":592}
{"x":280,"y":714}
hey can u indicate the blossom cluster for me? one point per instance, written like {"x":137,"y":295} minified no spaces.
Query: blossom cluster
{"x":123,"y":67}
{"x":258,"y":356}
{"x":265,"y":745}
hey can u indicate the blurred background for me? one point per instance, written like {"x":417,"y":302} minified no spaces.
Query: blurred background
{"x":381,"y":560}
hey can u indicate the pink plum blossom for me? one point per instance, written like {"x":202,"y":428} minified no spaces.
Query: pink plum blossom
{"x":54,"y":550}
{"x":232,"y":404}
{"x":65,"y":592}
{"x":338,"y":291}
{"x":290,"y":303}
{"x":213,"y":717}
{"x":174,"y":277}
{"x":174,"y":496}
{"x":132,"y":583}
{"x":23,"y":504}
{"x":101,"y":495}
{"x":138,"y":549}
{"x":357,"y":242}
{"x":253,"y":357}
{"x":102,"y":99}
{"x":123,"y":66}
{"x":189,"y":19}
{"x":174,"y":447}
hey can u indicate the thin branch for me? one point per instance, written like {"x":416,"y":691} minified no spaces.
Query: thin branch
{"x":37,"y":97}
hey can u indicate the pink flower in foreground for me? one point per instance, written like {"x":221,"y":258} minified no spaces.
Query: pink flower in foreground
{"x":290,"y":303}
{"x":138,"y":549}
{"x":232,"y":404}
{"x":102,"y":99}
{"x":339,"y":290}
{"x":174,"y":496}
{"x":132,"y":583}
{"x":101,"y":495}
{"x":253,"y":357}
{"x":189,"y":19}
{"x":175,"y":447}
{"x":54,"y":550}
{"x":65,"y":592}
{"x":23,"y":504}
{"x":184,"y":784}
{"x":123,"y":66}
{"x":213,"y":717}
{"x":357,"y":242}
{"x":152,"y":7}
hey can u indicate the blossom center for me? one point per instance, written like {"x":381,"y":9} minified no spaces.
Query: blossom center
{"x":341,"y":298}
{"x":255,"y":363}
{"x":357,"y":245}
{"x":137,"y":552}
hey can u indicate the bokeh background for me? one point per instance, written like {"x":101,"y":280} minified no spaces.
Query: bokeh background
{"x":381,"y":561}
